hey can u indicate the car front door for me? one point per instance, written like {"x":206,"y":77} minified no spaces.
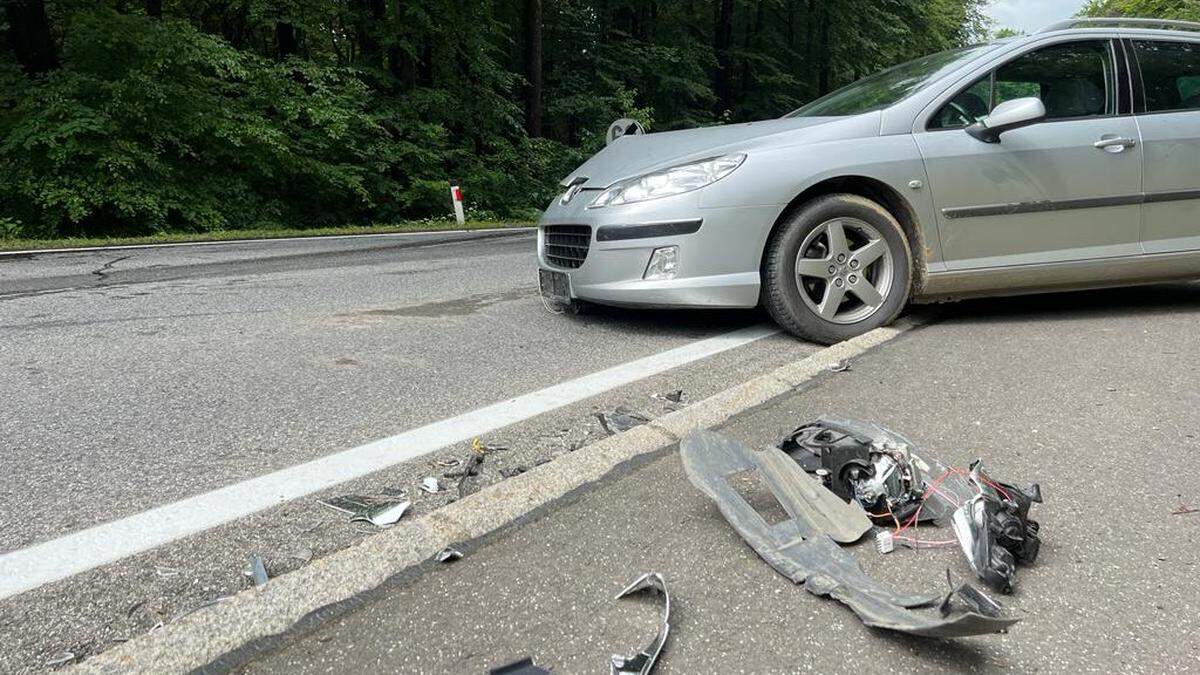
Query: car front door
{"x":1066,"y":189}
{"x":1169,"y":120}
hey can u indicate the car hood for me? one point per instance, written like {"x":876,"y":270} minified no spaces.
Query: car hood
{"x":635,"y":155}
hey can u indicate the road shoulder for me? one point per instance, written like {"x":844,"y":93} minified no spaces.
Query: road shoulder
{"x":227,"y":627}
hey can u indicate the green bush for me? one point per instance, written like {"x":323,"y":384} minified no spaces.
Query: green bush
{"x":154,"y":126}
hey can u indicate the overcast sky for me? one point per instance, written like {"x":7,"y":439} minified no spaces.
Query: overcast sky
{"x":1030,"y":15}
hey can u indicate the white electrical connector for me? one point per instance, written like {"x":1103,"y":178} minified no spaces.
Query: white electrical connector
{"x":884,"y":542}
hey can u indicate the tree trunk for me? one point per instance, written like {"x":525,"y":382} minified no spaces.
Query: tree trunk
{"x":286,"y":41}
{"x":29,"y":35}
{"x":533,"y":68}
{"x":154,"y":8}
{"x":722,"y":40}
{"x":826,"y":57}
{"x":371,"y":13}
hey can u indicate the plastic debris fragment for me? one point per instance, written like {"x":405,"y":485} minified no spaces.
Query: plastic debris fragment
{"x":382,"y":515}
{"x":256,"y":570}
{"x":378,"y":512}
{"x":643,"y":662}
{"x":621,"y":419}
{"x":839,"y":367}
{"x":448,"y":554}
{"x":60,"y":659}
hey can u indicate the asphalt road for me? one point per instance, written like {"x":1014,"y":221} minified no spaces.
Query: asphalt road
{"x":133,"y":379}
{"x":1094,"y":395}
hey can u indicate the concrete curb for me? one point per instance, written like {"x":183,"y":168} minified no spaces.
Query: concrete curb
{"x":204,"y":636}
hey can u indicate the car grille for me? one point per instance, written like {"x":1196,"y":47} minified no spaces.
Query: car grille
{"x":567,"y":245}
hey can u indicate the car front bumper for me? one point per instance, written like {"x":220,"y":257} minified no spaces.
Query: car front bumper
{"x":718,"y":262}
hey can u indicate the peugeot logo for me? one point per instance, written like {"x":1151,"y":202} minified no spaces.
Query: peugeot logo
{"x":572,"y":190}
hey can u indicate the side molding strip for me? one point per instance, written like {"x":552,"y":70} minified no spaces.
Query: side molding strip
{"x":1016,"y":208}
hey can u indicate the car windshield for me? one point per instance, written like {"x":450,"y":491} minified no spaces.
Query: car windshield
{"x":886,"y":87}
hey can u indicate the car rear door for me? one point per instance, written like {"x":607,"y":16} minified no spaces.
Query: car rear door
{"x":1066,"y":189}
{"x":1168,"y":112}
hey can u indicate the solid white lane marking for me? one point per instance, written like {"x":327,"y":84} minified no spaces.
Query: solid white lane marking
{"x":80,"y":551}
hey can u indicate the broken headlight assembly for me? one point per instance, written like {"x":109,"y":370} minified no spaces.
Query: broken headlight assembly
{"x":898,"y":488}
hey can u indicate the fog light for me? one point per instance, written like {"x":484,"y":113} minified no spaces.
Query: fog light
{"x":663,"y":263}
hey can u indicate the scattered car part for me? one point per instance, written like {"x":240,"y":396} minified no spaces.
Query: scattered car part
{"x":974,"y":599}
{"x":60,"y":659}
{"x":1183,"y":510}
{"x":621,"y":419}
{"x":431,"y":485}
{"x":801,"y":550}
{"x":878,"y":468}
{"x":840,"y":367}
{"x":884,"y":543}
{"x":256,"y":570}
{"x":895,"y":483}
{"x":671,"y":400}
{"x":448,"y":554}
{"x":523,"y":667}
{"x":643,"y":662}
{"x":994,"y":530}
{"x":466,"y":469}
{"x":382,"y":515}
{"x":349,"y":504}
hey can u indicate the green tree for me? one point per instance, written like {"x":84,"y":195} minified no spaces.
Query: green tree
{"x":1184,"y":10}
{"x":131,"y":116}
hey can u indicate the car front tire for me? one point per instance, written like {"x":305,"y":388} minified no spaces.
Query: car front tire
{"x":835,"y":268}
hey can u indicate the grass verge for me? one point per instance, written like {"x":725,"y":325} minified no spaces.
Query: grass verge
{"x":236,"y":235}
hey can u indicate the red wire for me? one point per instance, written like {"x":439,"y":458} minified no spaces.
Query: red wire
{"x":933,"y":488}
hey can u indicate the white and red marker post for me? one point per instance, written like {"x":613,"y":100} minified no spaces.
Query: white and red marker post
{"x":456,"y":197}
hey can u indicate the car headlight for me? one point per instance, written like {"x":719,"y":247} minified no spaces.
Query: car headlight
{"x":668,"y":182}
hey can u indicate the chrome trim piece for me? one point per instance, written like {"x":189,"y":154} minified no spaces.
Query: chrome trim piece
{"x":667,"y":229}
{"x":1016,"y":208}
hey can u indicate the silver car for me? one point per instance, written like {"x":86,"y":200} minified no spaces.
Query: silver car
{"x":1067,"y":159}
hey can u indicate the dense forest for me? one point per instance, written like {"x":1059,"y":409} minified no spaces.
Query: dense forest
{"x":139,"y":116}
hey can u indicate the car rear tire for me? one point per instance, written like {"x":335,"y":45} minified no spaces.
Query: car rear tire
{"x":837,"y":267}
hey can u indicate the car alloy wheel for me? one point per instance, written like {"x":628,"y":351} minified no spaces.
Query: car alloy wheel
{"x":844,"y":270}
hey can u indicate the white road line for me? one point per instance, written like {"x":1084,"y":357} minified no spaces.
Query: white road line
{"x":268,"y":240}
{"x":71,"y":554}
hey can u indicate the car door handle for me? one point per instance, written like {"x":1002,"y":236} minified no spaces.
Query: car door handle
{"x":1114,"y":143}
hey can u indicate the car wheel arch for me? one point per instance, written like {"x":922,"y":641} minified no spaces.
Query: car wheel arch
{"x":868,"y":188}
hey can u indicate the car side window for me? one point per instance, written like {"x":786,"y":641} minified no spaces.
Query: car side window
{"x":1073,"y":79}
{"x":1170,"y":74}
{"x":971,"y":105}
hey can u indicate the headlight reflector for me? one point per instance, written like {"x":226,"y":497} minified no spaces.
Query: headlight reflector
{"x":669,"y":182}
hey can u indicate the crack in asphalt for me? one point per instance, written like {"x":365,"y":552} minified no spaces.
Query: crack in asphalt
{"x":107,"y":268}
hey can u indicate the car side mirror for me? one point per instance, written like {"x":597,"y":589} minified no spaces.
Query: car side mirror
{"x":1014,"y":114}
